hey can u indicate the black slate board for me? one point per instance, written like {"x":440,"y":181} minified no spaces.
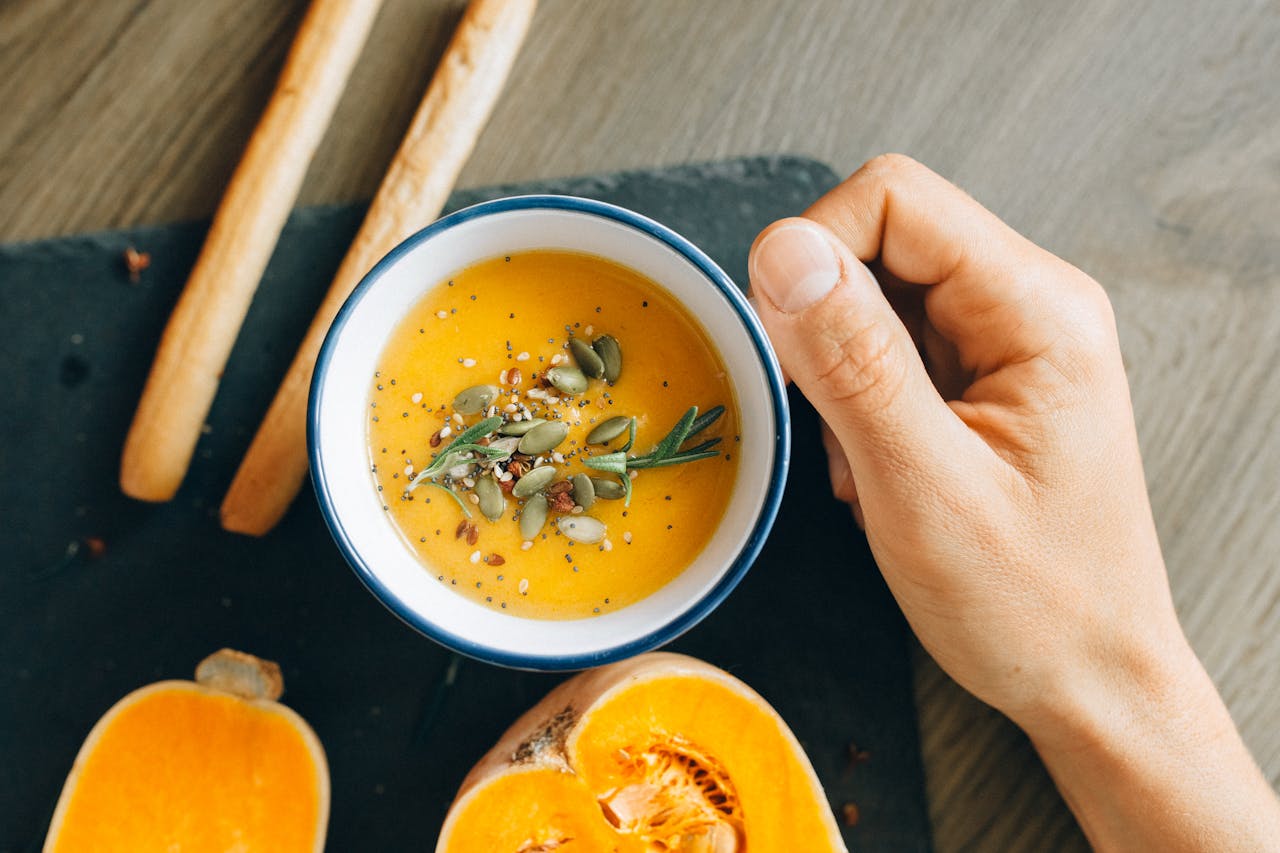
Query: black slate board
{"x":812,"y":627}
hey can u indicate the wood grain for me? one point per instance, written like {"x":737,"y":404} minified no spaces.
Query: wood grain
{"x":441,"y":137}
{"x":198,"y":339}
{"x":1140,"y":139}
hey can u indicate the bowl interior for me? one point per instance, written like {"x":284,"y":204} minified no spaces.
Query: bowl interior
{"x":340,"y":451}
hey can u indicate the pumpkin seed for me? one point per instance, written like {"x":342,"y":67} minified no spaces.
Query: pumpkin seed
{"x":586,"y":357}
{"x":492,"y":502}
{"x":507,"y":445}
{"x":543,"y":437}
{"x":533,"y":517}
{"x":607,"y":431}
{"x":534,"y":482}
{"x":567,"y":380}
{"x":584,"y":491}
{"x":606,"y":346}
{"x":473,"y":400}
{"x":520,"y":427}
{"x":582,"y":528}
{"x":609,"y":490}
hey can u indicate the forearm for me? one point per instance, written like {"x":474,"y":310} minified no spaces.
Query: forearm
{"x":1160,"y":766}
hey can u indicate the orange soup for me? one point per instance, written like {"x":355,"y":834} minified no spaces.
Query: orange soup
{"x":533,"y":436}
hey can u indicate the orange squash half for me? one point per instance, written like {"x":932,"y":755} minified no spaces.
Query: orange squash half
{"x":211,"y":765}
{"x":659,"y":753}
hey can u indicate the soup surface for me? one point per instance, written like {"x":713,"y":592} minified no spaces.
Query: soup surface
{"x":497,"y":328}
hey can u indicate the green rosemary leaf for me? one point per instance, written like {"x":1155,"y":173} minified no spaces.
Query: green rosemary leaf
{"x":473,"y":433}
{"x":612,"y":463}
{"x":451,"y":493}
{"x":698,"y":448}
{"x":676,"y":437}
{"x":482,"y":449}
{"x":681,"y":458}
{"x":631,"y":436}
{"x":705,"y":420}
{"x":456,"y":454}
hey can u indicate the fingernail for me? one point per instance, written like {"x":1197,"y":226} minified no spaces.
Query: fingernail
{"x":794,"y":266}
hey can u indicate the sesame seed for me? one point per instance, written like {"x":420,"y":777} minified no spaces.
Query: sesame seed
{"x":468,"y":362}
{"x":475,"y":556}
{"x":445,"y":432}
{"x":524,"y":582}
{"x":442,"y":314}
{"x":502,"y":378}
{"x":408,"y":470}
{"x":524,"y":356}
{"x":626,"y":537}
{"x":475,"y":499}
{"x":416,"y":398}
{"x":457,"y":419}
{"x":607,"y":545}
{"x":510,"y":408}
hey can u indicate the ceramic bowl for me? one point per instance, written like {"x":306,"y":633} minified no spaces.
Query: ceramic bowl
{"x":336,"y":430}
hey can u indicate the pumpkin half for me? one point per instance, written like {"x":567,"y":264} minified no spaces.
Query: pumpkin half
{"x":658,"y":753}
{"x":211,"y":765}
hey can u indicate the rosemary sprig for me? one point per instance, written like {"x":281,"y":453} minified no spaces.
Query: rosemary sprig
{"x":667,"y":452}
{"x":456,"y":452}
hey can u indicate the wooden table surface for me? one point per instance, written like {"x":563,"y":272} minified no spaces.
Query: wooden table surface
{"x":1138,"y":138}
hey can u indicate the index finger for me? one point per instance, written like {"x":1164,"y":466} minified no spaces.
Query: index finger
{"x":996,"y":295}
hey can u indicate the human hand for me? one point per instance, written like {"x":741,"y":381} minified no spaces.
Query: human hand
{"x":980,"y":424}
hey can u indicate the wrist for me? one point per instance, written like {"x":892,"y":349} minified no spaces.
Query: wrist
{"x":1147,"y":757}
{"x":1141,"y":689}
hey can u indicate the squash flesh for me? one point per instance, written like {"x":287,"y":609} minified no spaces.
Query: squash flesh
{"x":704,"y":718}
{"x":547,"y":808}
{"x":661,"y":753}
{"x":180,"y":767}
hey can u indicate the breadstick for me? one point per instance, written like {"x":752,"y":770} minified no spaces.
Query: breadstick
{"x":439,"y":141}
{"x":204,"y":324}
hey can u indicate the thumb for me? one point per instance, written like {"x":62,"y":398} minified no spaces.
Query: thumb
{"x":842,"y":344}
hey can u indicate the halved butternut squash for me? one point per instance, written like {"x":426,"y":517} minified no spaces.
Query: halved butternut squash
{"x":659,"y":753}
{"x":211,"y":765}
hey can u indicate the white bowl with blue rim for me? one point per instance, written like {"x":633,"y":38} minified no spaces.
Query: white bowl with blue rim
{"x":338,"y":443}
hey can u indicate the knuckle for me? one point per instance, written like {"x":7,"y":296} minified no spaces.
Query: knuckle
{"x":860,"y":368}
{"x":891,"y":164}
{"x":1089,"y":337}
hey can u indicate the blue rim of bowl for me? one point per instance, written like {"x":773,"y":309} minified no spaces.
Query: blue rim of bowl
{"x":700,"y":608}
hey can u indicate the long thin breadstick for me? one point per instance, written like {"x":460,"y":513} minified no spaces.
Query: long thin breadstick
{"x":444,"y":130}
{"x":208,"y":316}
